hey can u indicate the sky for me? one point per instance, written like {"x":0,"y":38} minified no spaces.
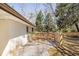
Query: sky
{"x":26,"y":9}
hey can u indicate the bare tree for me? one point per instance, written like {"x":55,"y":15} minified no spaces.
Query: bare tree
{"x":50,"y":9}
{"x":23,"y":9}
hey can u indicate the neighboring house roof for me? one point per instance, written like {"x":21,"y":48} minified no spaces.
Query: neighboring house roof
{"x":10,"y":10}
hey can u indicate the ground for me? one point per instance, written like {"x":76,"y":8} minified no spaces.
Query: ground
{"x":68,"y":47}
{"x":38,"y":48}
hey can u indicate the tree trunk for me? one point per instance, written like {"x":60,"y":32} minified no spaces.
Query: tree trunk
{"x":77,"y":27}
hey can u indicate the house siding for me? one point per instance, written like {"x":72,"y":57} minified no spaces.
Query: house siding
{"x":11,"y":30}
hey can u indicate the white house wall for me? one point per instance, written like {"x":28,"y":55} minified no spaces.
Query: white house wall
{"x":12,"y":32}
{"x":4,"y":34}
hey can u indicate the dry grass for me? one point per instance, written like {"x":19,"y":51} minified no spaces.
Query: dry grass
{"x":15,"y":50}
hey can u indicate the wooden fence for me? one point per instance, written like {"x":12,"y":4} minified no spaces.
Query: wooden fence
{"x":65,"y":48}
{"x":52,"y":35}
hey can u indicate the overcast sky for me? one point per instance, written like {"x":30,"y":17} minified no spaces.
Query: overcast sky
{"x":29,"y":8}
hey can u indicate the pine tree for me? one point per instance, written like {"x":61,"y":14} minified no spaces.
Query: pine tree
{"x":39,"y":19}
{"x":48,"y":23}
